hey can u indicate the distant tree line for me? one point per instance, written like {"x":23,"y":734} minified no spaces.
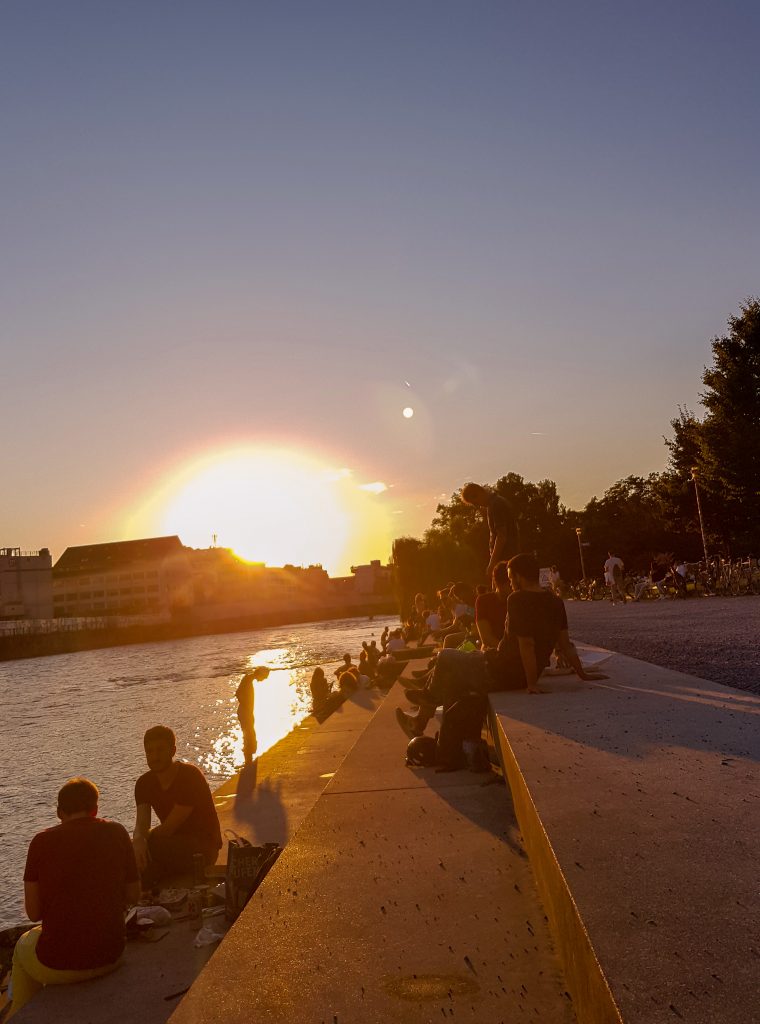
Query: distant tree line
{"x":638,"y":517}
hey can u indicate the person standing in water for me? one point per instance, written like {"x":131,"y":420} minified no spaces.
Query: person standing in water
{"x":244,"y":694}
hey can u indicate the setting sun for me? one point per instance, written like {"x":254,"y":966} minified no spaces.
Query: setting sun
{"x":271,"y":505}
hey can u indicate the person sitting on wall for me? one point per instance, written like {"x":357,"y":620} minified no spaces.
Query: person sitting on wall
{"x":366,"y":669}
{"x":536,"y":623}
{"x":396,"y":642}
{"x":347,"y":666}
{"x":491,"y":608}
{"x":319,"y":686}
{"x":373,"y":654}
{"x":79,"y":877}
{"x":182,"y":801}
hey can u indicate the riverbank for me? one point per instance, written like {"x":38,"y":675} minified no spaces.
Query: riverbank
{"x":264,"y":803}
{"x":39,"y":645}
{"x":86,"y":713}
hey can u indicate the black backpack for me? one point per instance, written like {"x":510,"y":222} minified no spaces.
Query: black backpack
{"x":462,"y":722}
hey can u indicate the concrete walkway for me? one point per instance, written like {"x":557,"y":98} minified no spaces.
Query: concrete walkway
{"x":639,"y":802}
{"x":265,"y":803}
{"x":405,"y":897}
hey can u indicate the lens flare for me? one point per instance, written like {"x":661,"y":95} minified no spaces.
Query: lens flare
{"x":270,"y":505}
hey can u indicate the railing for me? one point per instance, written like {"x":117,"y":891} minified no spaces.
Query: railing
{"x":35,"y":627}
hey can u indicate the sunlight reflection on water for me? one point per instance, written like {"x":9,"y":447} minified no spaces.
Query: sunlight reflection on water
{"x":85,"y":714}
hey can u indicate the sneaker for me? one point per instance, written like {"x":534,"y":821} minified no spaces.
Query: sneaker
{"x":408,"y":724}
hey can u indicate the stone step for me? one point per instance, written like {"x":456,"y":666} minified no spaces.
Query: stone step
{"x":405,"y":896}
{"x":638,"y":801}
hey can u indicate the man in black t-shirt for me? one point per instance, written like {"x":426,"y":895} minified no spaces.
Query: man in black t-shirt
{"x":535,"y":624}
{"x":502,"y":525}
{"x":180,"y":796}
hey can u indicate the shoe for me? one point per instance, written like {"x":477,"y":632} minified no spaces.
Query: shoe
{"x":419,"y":698}
{"x":408,"y":724}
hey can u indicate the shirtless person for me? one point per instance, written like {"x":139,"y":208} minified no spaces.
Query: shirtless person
{"x":244,"y":694}
{"x":182,"y":801}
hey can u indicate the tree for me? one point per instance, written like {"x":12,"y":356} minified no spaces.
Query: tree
{"x":730,"y":433}
{"x":632,"y":520}
{"x":724,"y":446}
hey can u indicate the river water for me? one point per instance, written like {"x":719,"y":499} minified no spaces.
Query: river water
{"x":85,"y":714}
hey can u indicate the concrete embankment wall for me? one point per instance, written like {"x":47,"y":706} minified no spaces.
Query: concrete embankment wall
{"x":638,"y":799}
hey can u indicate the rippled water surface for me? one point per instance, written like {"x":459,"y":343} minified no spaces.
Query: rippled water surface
{"x":85,"y":714}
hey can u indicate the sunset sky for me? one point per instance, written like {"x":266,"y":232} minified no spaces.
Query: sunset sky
{"x":240,"y":238}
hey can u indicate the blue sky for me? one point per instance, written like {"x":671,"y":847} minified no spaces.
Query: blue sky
{"x":255,"y":222}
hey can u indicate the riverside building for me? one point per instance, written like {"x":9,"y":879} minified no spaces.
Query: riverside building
{"x":128,"y":577}
{"x":26,"y":584}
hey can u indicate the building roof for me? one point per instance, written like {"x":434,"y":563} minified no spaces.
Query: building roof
{"x":104,"y":557}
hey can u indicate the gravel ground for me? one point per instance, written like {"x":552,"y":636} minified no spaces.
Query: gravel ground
{"x":716,"y":638}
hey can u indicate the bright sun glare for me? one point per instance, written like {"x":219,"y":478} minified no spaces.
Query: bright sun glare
{"x":271,"y":505}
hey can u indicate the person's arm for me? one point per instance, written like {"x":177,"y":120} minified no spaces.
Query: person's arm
{"x":177,"y":816}
{"x":499,"y":543}
{"x":568,"y":650}
{"x":140,"y":835}
{"x":487,"y":636}
{"x":32,"y":901}
{"x":527,"y":647}
{"x":132,"y":888}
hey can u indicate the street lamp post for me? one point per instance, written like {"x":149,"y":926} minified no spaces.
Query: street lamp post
{"x":578,"y":531}
{"x":699,"y":510}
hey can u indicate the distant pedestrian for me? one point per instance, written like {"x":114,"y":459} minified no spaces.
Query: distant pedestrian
{"x":613,"y":576}
{"x":503,"y":540}
{"x":556,"y":581}
{"x":244,"y":694}
{"x":79,"y":878}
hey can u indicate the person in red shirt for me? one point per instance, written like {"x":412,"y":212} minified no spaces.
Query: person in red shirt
{"x":79,"y":877}
{"x":491,"y":608}
{"x":180,"y":797}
